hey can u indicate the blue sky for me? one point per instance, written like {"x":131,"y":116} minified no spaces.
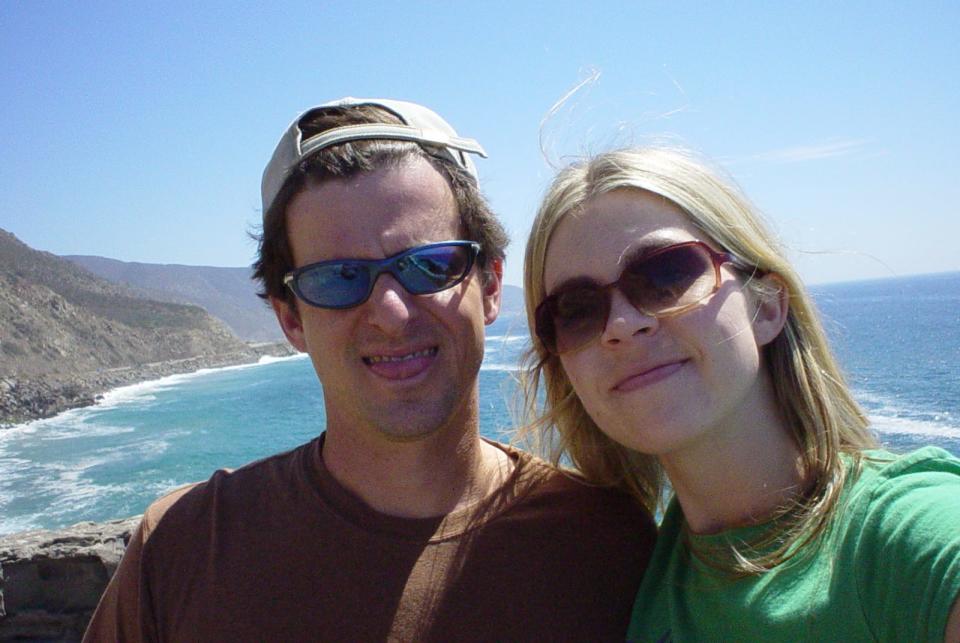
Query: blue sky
{"x":139,"y":130}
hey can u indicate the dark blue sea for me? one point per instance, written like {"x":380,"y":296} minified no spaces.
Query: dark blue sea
{"x":898,"y":341}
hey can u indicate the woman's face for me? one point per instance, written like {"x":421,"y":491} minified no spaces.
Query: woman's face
{"x":657,"y":385}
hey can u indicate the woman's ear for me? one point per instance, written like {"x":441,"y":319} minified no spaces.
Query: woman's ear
{"x":772,"y":299}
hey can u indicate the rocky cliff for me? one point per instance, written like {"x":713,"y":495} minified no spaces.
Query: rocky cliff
{"x":229,"y":294}
{"x":67,"y":335}
{"x":51,"y":581}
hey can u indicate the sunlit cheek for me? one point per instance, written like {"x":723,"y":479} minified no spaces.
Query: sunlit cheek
{"x":581,"y":376}
{"x":732,"y":323}
{"x":735,"y":350}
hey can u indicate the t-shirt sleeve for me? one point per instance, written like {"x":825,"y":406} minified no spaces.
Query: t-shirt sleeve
{"x":117,"y":617}
{"x":908,"y":562}
{"x":124,"y":611}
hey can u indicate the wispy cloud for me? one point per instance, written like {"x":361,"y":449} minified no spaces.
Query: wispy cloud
{"x":814,"y":152}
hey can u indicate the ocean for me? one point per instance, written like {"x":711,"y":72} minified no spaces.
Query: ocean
{"x":897,"y":339}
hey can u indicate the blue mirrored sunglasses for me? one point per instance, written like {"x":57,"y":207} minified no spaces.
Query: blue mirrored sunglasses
{"x":344,"y":283}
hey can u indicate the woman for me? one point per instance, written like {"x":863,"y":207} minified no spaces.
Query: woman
{"x":673,"y":340}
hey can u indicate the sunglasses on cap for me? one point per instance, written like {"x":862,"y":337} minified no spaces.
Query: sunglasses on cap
{"x":345,"y":283}
{"x":665,"y":282}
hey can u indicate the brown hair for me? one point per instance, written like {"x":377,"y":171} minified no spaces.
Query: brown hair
{"x":274,"y":258}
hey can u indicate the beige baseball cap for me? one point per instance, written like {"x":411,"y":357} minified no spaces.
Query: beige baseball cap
{"x":420,"y":125}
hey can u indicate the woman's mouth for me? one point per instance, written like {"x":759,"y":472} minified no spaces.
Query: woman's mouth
{"x":648,"y":376}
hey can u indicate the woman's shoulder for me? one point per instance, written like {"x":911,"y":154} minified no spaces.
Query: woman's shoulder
{"x":901,"y":529}
{"x":885,"y":472}
{"x":925,"y":482}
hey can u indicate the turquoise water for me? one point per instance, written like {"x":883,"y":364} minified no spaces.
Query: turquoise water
{"x":899,"y":341}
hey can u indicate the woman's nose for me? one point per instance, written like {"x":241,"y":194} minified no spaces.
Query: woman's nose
{"x":625,"y":321}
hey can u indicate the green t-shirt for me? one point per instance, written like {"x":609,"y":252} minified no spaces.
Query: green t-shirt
{"x":888,"y":568}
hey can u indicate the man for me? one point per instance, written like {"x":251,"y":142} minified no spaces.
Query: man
{"x":384,"y":263}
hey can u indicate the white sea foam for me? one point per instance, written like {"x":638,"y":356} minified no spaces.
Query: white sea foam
{"x":509,"y":367}
{"x":12,"y":472}
{"x":145,"y":391}
{"x":77,"y":497}
{"x":888,"y":415}
{"x":507,"y":339}
{"x":143,"y":452}
{"x":505,"y":347}
{"x":83,"y":430}
{"x":68,"y":490}
{"x":908,"y":426}
{"x":137,"y":391}
{"x":20,"y":523}
{"x":271,"y":359}
{"x":67,"y":425}
{"x":19,"y":431}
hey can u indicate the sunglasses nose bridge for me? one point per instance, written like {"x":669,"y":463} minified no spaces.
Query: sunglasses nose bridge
{"x":388,"y":305}
{"x":624,"y":317}
{"x":393,"y":284}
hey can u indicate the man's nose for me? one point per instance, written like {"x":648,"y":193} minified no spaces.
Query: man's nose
{"x":389,"y":307}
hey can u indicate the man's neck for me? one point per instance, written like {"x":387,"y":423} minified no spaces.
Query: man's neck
{"x":418,"y":478}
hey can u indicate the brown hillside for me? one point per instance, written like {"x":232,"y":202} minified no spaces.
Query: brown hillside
{"x":62,"y":328}
{"x":57,"y":318}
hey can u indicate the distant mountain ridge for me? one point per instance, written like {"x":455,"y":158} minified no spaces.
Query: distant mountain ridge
{"x":228,"y":294}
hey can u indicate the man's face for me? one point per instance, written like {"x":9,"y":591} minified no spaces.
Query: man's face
{"x":398,"y":366}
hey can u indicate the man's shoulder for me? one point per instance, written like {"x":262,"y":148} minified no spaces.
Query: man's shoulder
{"x":557,"y":513}
{"x":567,"y":494}
{"x":226,"y":489}
{"x":159,"y":507}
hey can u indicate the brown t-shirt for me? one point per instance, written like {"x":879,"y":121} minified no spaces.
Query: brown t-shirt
{"x":278,"y":550}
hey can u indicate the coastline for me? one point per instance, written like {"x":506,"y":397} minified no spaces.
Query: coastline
{"x":25,"y":399}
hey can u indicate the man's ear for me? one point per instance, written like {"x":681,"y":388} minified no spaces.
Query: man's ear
{"x":290,"y":323}
{"x":491,"y":280}
{"x":773,"y":303}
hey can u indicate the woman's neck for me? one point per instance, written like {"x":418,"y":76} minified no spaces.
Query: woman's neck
{"x":741,"y":473}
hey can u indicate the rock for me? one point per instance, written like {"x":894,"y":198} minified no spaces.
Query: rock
{"x":51,"y":581}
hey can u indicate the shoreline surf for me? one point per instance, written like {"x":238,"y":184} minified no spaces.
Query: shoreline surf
{"x":28,"y":399}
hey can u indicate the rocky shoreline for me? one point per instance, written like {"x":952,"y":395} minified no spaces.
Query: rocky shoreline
{"x":26,"y":399}
{"x":51,"y":581}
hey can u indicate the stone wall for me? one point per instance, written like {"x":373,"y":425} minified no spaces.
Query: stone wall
{"x":51,"y":581}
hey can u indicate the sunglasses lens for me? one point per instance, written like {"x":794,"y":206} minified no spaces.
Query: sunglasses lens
{"x":335,"y":285}
{"x":421,"y":271}
{"x":666,"y":281}
{"x":669,"y":279}
{"x":577,"y":315}
{"x":434,"y":269}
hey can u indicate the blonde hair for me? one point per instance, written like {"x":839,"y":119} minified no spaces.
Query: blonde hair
{"x":808,"y":384}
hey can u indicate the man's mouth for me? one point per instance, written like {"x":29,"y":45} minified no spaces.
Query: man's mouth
{"x":401,"y":367}
{"x":377,"y":359}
